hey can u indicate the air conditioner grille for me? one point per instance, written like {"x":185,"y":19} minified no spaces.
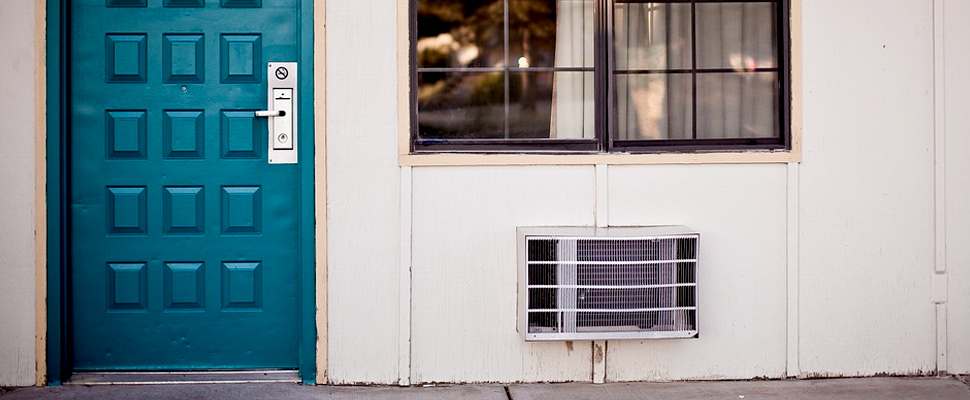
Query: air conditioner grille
{"x":636,"y":287}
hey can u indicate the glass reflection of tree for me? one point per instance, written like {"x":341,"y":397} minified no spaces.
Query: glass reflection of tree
{"x":471,"y":34}
{"x":533,"y":33}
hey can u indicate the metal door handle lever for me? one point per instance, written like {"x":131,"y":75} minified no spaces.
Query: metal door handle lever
{"x":270,"y":113}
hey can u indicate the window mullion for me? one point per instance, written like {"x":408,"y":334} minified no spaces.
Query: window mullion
{"x":602,"y":39}
{"x":505,"y":28}
{"x":693,"y":69}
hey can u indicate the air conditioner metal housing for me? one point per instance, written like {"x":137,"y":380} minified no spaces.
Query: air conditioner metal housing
{"x":607,"y":283}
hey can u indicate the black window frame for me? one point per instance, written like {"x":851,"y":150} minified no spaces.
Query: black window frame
{"x":603,"y":75}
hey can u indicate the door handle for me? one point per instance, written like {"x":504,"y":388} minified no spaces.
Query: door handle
{"x":271,"y":113}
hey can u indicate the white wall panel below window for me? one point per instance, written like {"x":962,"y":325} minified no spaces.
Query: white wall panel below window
{"x":464,"y":271}
{"x":740,"y":212}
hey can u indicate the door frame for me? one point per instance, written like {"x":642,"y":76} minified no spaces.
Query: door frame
{"x":59,"y":344}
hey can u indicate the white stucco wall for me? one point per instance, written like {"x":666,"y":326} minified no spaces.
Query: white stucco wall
{"x":956,"y":87}
{"x":436,"y":300}
{"x":363,"y":198}
{"x":17,"y":210}
{"x":867,"y":196}
{"x":838,"y":249}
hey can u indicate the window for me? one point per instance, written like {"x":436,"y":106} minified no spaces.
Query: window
{"x":599,"y":76}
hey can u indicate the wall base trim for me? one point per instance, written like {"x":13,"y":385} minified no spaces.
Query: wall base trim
{"x":183,"y":377}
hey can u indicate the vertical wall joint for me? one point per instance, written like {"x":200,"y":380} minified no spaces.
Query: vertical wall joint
{"x":404,"y":327}
{"x":792,"y":366}
{"x":939,"y":278}
{"x":601,"y":218}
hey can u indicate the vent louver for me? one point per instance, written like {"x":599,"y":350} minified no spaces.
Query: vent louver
{"x":583,"y":283}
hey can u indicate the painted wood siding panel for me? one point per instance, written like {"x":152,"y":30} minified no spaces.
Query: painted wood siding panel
{"x":17,"y":209}
{"x":363,"y":189}
{"x":957,"y":124}
{"x":740,"y":212}
{"x":464,"y":271}
{"x":867,"y":208}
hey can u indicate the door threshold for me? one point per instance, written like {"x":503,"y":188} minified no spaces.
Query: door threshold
{"x":182,"y":377}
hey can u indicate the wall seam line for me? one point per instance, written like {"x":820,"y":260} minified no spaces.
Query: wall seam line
{"x":939,"y":178}
{"x":793,"y":368}
{"x":601,"y":215}
{"x":404,"y":327}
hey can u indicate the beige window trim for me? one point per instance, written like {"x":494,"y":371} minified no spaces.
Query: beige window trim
{"x":442,"y":159}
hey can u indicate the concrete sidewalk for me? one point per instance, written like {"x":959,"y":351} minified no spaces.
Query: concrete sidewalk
{"x":842,"y":389}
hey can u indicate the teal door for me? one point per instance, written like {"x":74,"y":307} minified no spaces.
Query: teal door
{"x":184,"y":239}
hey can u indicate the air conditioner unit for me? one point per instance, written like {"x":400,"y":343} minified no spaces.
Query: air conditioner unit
{"x":589,"y":283}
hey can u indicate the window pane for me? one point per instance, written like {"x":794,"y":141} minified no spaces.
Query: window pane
{"x":461,"y":105}
{"x":550,"y":33}
{"x":653,"y":106}
{"x":454,"y":33}
{"x":737,"y":105}
{"x":556,"y":105}
{"x":682,"y":70}
{"x":739,"y":36}
{"x":652,"y":36}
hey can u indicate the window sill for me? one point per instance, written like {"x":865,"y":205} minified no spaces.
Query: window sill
{"x":742,"y":157}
